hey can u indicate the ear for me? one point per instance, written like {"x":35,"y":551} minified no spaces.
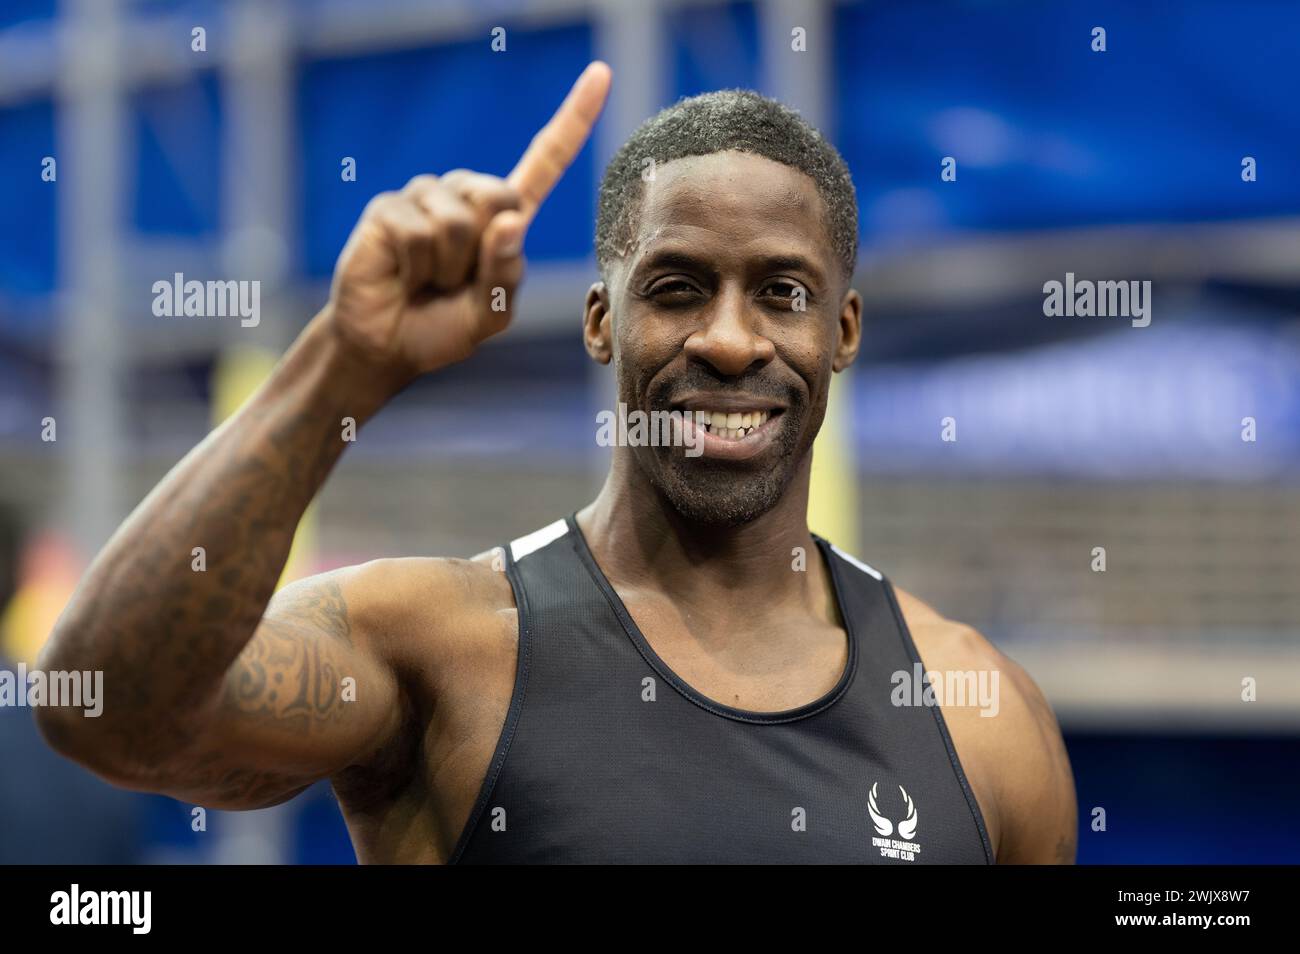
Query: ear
{"x":849,"y":332}
{"x":597,"y":324}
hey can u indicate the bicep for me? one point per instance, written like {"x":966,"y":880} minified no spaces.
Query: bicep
{"x":305,"y":698}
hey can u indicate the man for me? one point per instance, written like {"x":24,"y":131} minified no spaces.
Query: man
{"x":679,"y":672}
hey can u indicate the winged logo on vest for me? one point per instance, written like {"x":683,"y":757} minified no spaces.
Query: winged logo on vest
{"x":884,"y":827}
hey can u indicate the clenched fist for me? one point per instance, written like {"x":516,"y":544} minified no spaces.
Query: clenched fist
{"x":430,"y":272}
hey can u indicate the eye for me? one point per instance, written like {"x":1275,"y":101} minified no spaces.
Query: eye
{"x":786,"y":292}
{"x":673,"y":289}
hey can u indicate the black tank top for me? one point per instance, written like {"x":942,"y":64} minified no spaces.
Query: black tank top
{"x":606,"y":755}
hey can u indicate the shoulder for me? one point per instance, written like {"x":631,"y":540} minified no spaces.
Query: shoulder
{"x":1009,"y":741}
{"x":397,"y":584}
{"x":946,"y":644}
{"x":403,"y":608}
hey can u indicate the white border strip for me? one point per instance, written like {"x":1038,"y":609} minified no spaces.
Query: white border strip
{"x":537,"y":539}
{"x":870,"y":571}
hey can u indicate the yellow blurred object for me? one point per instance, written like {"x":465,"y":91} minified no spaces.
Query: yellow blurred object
{"x":239,"y":372}
{"x":49,"y":568}
{"x":47,"y":575}
{"x":832,"y":496}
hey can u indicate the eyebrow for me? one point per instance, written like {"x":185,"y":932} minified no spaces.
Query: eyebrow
{"x":675,"y":258}
{"x":791,"y":263}
{"x":689,"y":261}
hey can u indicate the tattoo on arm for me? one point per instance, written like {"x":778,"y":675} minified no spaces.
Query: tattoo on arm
{"x":168,"y":633}
{"x":179,"y":643}
{"x":287,"y":680}
{"x":290,"y":672}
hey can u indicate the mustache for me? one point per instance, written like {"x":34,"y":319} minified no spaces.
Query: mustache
{"x":699,"y":380}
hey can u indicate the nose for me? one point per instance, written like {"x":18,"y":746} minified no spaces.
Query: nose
{"x":729,"y":341}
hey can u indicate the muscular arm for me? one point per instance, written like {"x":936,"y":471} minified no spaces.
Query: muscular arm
{"x":209,"y":693}
{"x":1036,"y":804}
{"x":187,"y":656}
{"x":1015,"y":760}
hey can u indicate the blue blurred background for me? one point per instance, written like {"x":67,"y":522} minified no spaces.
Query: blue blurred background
{"x":225,"y":162}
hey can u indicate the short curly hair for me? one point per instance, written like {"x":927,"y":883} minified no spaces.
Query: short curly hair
{"x":729,"y":119}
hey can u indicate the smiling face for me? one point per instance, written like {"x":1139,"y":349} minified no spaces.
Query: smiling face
{"x":730,"y":304}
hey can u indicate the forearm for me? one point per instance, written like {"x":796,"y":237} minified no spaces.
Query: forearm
{"x":164,"y":631}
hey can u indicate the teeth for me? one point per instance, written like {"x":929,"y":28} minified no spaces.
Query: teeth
{"x":731,"y":425}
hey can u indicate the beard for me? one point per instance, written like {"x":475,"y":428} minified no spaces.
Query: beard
{"x":724,"y":493}
{"x":712,"y":493}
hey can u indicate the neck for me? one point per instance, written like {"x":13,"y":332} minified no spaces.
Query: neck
{"x":639,"y":539}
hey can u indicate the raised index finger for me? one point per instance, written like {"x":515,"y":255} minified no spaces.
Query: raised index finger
{"x":558,"y":142}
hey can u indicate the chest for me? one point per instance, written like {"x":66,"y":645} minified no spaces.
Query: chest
{"x":755,"y":660}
